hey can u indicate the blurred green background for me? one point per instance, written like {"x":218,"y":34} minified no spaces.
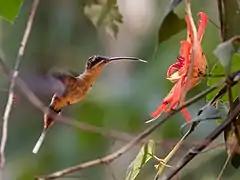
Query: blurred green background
{"x":63,"y":37}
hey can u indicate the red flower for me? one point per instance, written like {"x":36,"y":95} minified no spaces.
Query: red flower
{"x":178,"y":72}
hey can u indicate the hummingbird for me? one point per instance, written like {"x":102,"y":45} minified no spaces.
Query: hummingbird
{"x":76,"y":88}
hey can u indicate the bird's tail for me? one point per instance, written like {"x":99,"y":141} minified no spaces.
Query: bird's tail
{"x":48,"y":121}
{"x":40,"y":141}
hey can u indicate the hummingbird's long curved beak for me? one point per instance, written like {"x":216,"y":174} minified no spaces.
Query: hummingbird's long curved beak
{"x":124,"y":58}
{"x":98,"y":61}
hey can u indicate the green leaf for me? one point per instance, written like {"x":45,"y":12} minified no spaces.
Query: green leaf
{"x":226,"y":50}
{"x":144,"y":155}
{"x":208,"y":112}
{"x":170,"y":26}
{"x":9,"y":9}
{"x":105,"y":14}
{"x":223,"y":109}
{"x":217,"y":70}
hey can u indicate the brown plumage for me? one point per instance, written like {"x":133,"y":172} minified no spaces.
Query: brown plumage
{"x":76,"y":89}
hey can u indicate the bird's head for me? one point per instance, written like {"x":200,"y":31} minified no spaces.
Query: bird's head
{"x":96,"y":62}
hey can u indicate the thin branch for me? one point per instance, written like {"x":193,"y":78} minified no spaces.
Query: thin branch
{"x":193,"y":152}
{"x":229,"y":90}
{"x":13,"y":79}
{"x":214,"y":75}
{"x":227,"y":160}
{"x":232,"y":81}
{"x":213,"y":23}
{"x":221,"y":15}
{"x":161,"y":166}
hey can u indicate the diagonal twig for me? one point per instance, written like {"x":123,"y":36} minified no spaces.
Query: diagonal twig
{"x":227,"y":160}
{"x":13,"y":79}
{"x":193,"y":152}
{"x":221,"y":9}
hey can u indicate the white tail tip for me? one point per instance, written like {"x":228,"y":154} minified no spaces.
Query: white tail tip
{"x":39,"y":142}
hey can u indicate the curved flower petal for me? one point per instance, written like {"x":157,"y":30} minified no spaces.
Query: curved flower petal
{"x":163,"y":106}
{"x":202,"y":25}
{"x":158,"y":111}
{"x":193,"y":82}
{"x":183,"y":60}
{"x":175,"y":93}
{"x":171,"y":70}
{"x":170,"y":101}
{"x":174,"y":77}
{"x":189,"y":30}
{"x":186,"y":114}
{"x":200,"y":62}
{"x":185,"y":52}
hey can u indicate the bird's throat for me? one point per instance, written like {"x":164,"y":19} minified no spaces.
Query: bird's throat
{"x":89,"y":76}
